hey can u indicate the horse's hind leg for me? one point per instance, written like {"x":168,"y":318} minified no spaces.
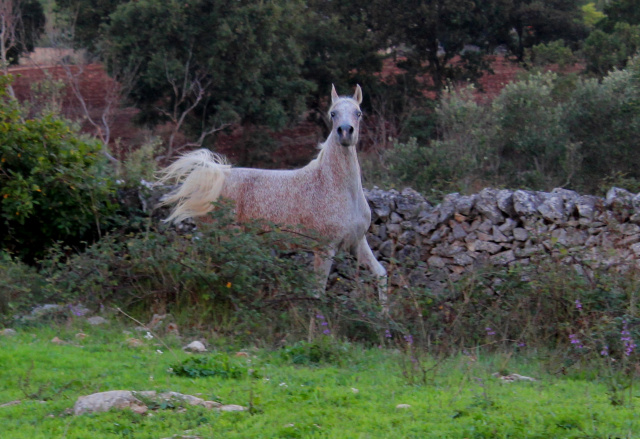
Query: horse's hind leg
{"x":367,"y":259}
{"x":322,"y":262}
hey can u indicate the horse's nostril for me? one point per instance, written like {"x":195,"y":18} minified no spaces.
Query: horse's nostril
{"x":345,"y":130}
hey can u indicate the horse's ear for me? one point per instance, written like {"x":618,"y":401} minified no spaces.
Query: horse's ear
{"x":334,"y":94}
{"x":357,"y":96}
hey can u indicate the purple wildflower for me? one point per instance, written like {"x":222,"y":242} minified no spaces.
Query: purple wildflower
{"x":319,"y":317}
{"x":578,"y":304}
{"x":490,"y":331}
{"x":521,"y":344}
{"x":408,"y":338}
{"x":387,"y":333}
{"x":575,"y":341}
{"x":326,"y":332}
{"x":324,"y":324}
{"x":78,"y":310}
{"x":605,"y":351}
{"x":629,"y":345}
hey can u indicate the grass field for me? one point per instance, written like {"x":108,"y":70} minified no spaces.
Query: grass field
{"x":355,"y":396}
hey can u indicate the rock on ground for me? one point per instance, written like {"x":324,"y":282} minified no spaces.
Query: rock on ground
{"x":195,"y":346}
{"x":139,"y":401}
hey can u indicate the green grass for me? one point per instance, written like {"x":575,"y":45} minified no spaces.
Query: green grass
{"x":459,"y":400}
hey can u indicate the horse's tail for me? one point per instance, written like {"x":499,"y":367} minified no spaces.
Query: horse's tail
{"x":202,"y":174}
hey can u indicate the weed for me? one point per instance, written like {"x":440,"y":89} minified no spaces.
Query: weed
{"x":321,"y":350}
{"x":215,"y":365}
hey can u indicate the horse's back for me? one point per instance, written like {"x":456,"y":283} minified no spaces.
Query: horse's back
{"x":296,"y":197}
{"x":274,"y":195}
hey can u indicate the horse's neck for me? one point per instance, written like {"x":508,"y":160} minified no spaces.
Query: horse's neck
{"x":342,"y":164}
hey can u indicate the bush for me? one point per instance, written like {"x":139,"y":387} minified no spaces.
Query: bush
{"x":534,"y":306}
{"x":322,"y":350}
{"x":543,"y":132}
{"x":458,"y":161}
{"x":555,"y":52}
{"x":604,"y":120}
{"x":605,"y":52}
{"x":222,"y":274}
{"x":533,"y":143}
{"x":21,"y":286}
{"x":520,"y":140}
{"x":54,"y":185}
{"x":214,"y":365}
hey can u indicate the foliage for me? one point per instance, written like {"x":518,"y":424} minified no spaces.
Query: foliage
{"x":532,"y":142}
{"x":139,"y":164}
{"x":604,"y":120}
{"x":532,"y":306}
{"x":518,"y":140}
{"x":20,"y":286}
{"x":213,"y":365}
{"x":456,"y":161}
{"x":432,"y":33}
{"x":536,"y":22}
{"x":321,"y":350}
{"x":339,"y":48}
{"x":217,"y":62}
{"x":540,"y":132}
{"x":221,"y":272}
{"x":54,"y":184}
{"x":605,"y":52}
{"x":30,"y":26}
{"x":89,"y":19}
{"x":555,"y":52}
{"x":619,"y":11}
{"x":591,"y":14}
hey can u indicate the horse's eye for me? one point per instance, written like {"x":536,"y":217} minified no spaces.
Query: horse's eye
{"x":359,"y":113}
{"x":333,"y":114}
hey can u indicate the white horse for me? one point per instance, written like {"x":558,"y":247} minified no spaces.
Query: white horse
{"x":326,"y":195}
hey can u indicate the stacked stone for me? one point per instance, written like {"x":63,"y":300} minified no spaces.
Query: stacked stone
{"x":429,"y":246}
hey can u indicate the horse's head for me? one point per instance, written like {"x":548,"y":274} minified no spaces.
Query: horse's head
{"x":345,"y":116}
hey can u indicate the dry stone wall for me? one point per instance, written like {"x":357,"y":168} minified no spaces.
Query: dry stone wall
{"x":426,"y":245}
{"x":431,"y":246}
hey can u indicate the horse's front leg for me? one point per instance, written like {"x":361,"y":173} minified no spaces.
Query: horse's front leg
{"x":367,"y":259}
{"x":322,"y":262}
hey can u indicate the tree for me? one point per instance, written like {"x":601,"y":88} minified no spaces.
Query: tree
{"x":215,"y":62}
{"x":338,"y":47}
{"x":88,"y":19}
{"x":427,"y":35}
{"x":605,"y":51}
{"x":543,"y":21}
{"x":619,"y":11}
{"x":21,"y":24}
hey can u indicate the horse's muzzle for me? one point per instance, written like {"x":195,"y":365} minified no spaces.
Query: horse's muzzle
{"x":345,"y":135}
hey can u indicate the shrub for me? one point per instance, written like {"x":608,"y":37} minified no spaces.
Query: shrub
{"x":543,"y":132}
{"x":222,"y":274}
{"x":605,"y":52}
{"x":321,"y":350}
{"x":214,"y":365}
{"x":533,"y":143}
{"x":603,"y":119}
{"x":54,"y":185}
{"x":21,"y":286}
{"x":458,"y":161}
{"x":535,"y":306}
{"x":555,"y":52}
